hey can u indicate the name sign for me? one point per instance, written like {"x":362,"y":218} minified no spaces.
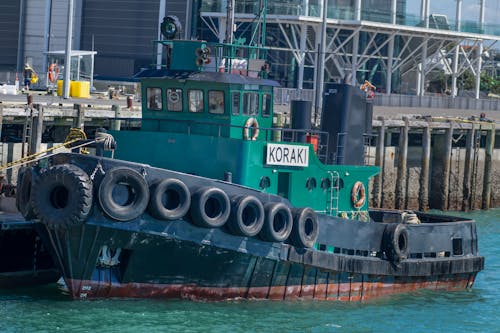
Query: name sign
{"x":287,"y":155}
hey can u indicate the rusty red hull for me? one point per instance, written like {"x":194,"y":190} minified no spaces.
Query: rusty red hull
{"x":351,"y":291}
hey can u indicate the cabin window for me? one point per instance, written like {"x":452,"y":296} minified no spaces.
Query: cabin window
{"x":235,"y":100}
{"x":195,"y":98}
{"x":266,"y":105}
{"x":326,"y":184}
{"x":154,"y":99}
{"x":250,"y":104}
{"x":216,"y":101}
{"x":311,"y":183}
{"x":174,"y":100}
{"x":265,"y":182}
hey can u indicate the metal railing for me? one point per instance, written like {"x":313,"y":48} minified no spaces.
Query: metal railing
{"x":283,"y":96}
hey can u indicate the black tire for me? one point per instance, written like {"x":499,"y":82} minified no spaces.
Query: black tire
{"x":247,"y":216}
{"x":123,"y":194}
{"x":210,"y":207}
{"x":62,"y":196}
{"x":23,"y":196}
{"x":278,"y":222}
{"x":396,"y":241}
{"x":170,"y":199}
{"x":305,"y":228}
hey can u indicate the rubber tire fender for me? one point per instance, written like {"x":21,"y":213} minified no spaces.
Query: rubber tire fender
{"x":170,"y":199}
{"x":210,"y":207}
{"x":278,"y":222}
{"x":396,"y":241}
{"x":247,"y":216}
{"x":23,"y":196}
{"x":138,"y":194}
{"x":305,"y":228}
{"x":62,"y":196}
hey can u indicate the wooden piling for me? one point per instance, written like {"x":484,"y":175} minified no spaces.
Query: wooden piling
{"x":400,"y":193}
{"x":37,"y":130}
{"x":115,"y":123}
{"x":445,"y":189}
{"x":466,"y":185}
{"x":488,"y":153}
{"x":379,"y":161}
{"x":79,"y":120}
{"x":423,"y":193}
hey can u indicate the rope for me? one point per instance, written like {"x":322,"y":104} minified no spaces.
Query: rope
{"x":107,"y":139}
{"x":74,"y":135}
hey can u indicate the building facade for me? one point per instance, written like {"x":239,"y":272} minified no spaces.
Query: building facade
{"x":349,"y":40}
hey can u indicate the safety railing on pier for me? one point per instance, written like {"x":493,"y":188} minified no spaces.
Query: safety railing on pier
{"x":283,"y":96}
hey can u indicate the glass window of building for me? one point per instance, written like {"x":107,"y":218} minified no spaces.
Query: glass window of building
{"x":154,"y":101}
{"x":216,"y":101}
{"x":174,"y":100}
{"x":195,"y":98}
{"x":250,"y":104}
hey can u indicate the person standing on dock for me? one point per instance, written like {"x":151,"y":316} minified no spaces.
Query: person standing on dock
{"x":28,"y":74}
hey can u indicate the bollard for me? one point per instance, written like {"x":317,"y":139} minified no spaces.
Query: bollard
{"x":129,"y":103}
{"x":29,"y":99}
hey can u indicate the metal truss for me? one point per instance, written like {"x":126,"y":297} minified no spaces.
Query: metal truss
{"x":363,"y":47}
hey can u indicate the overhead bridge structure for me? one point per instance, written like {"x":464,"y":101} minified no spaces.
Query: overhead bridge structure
{"x":384,"y":45}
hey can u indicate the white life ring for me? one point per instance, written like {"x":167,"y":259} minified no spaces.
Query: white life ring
{"x":251,"y":123}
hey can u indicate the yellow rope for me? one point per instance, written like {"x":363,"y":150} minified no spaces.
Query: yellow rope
{"x":74,"y":135}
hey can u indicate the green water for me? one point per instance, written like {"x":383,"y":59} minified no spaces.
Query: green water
{"x":46,"y":310}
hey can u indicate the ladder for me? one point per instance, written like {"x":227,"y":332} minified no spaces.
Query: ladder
{"x":332,"y":205}
{"x":27,"y":132}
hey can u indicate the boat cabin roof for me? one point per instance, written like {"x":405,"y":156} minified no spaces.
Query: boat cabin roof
{"x":204,"y":77}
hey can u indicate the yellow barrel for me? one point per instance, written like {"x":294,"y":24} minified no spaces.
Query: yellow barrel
{"x":59,"y":87}
{"x":80,"y":89}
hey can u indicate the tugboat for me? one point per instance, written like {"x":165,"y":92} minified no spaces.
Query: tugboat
{"x":210,"y":200}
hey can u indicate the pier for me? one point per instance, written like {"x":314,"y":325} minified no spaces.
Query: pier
{"x":426,"y":162}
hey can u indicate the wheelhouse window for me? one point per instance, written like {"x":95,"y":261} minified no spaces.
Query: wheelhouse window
{"x":195,"y":100}
{"x":266,"y":105}
{"x":235,"y":103}
{"x":250,"y":104}
{"x":216,"y":101}
{"x":174,"y":100}
{"x":154,"y":101}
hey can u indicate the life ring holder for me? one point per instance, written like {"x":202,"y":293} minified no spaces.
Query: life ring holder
{"x":53,"y":72}
{"x":358,"y":194}
{"x":254,"y":124}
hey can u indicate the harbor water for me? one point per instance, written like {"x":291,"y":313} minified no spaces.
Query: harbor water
{"x":45,"y":309}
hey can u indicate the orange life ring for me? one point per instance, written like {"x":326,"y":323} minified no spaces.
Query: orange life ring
{"x":358,"y":194}
{"x":53,"y":72}
{"x":251,"y":123}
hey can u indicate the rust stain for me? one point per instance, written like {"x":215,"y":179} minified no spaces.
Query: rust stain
{"x":354,"y":291}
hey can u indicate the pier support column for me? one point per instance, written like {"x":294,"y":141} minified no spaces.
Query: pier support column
{"x":116,"y":124}
{"x":379,"y":161}
{"x":441,"y":162}
{"x":466,"y":187}
{"x":423,"y":193}
{"x":79,"y":121}
{"x":488,"y":153}
{"x":400,"y":195}
{"x":37,"y":130}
